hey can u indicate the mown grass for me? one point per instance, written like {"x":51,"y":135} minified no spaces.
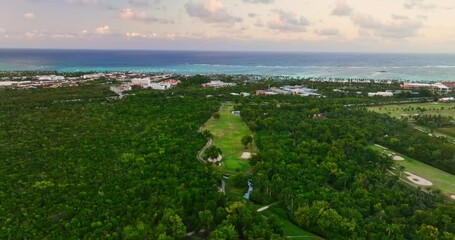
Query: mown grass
{"x":409,"y":110}
{"x":291,"y":230}
{"x":448,"y":131}
{"x":295,"y":232}
{"x":228,"y":132}
{"x":399,"y":110}
{"x":441,"y":180}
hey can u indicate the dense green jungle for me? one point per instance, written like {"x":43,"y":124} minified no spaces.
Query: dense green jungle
{"x":78,"y":163}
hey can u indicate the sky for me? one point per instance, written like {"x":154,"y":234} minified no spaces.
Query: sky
{"x":421,"y":26}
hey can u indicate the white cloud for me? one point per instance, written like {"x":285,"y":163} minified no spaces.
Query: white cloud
{"x":36,"y":34}
{"x":398,"y":28}
{"x":139,"y":3}
{"x":342,"y":8}
{"x":418,"y":4}
{"x":29,"y":15}
{"x":83,"y":2}
{"x":129,"y":14}
{"x":63,"y":36}
{"x":171,"y":36}
{"x":144,"y":3}
{"x":135,"y":35}
{"x":288,"y":22}
{"x":126,"y":13}
{"x":329,"y":32}
{"x":399,"y":17}
{"x":212,"y":11}
{"x":103,"y":30}
{"x":258,"y":1}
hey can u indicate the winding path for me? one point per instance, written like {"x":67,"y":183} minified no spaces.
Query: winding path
{"x":201,"y":159}
{"x":199,"y":154}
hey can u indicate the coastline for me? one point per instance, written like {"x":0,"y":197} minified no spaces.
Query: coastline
{"x":402,"y":67}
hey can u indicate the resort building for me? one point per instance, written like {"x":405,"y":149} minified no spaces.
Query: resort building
{"x":289,"y":90}
{"x":435,"y":87}
{"x":449,"y":84}
{"x":142,"y":82}
{"x":447,"y":100}
{"x":217,"y":84}
{"x":93,"y":76}
{"x":50,"y":78}
{"x":160,"y":86}
{"x":171,"y":82}
{"x":121,"y":88}
{"x":380,"y":94}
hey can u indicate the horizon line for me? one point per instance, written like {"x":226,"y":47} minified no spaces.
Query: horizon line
{"x":229,"y":50}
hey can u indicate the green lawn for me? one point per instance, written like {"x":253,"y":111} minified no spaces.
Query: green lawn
{"x":294,"y":232}
{"x":408,"y":110}
{"x":227,"y":132}
{"x":440,"y":179}
{"x":399,"y":110}
{"x":448,"y":131}
{"x":291,"y":230}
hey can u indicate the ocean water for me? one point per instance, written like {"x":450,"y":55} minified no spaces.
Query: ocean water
{"x":413,"y":67}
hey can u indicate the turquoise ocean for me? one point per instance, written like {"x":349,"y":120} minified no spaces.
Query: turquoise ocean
{"x":411,"y":67}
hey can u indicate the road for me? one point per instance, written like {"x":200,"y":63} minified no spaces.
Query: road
{"x":223,"y":187}
{"x":199,"y":154}
{"x":201,"y":159}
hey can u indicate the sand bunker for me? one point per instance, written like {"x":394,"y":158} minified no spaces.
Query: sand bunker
{"x":398,"y":158}
{"x":217,"y":160}
{"x":418,"y":180}
{"x":246,"y":155}
{"x":453,"y":197}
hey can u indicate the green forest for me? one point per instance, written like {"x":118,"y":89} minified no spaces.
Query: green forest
{"x":103,"y":168}
{"x":77,"y":163}
{"x":329,"y":182}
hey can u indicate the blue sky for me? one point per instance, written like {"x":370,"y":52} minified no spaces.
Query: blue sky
{"x":272,"y":25}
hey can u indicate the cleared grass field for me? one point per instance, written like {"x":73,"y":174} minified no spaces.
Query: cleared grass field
{"x":440,"y":179}
{"x":399,"y":110}
{"x":227,"y":132}
{"x":291,"y":231}
{"x":448,"y":131}
{"x":409,"y":110}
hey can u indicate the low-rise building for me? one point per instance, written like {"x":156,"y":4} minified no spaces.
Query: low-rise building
{"x":142,"y":82}
{"x":263,"y":92}
{"x":121,"y":88}
{"x":380,"y":94}
{"x":160,"y":86}
{"x":172,"y":82}
{"x":93,"y":76}
{"x":449,"y":84}
{"x":50,"y":78}
{"x":447,"y":100}
{"x":288,"y":90}
{"x":217,"y":84}
{"x":435,"y":87}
